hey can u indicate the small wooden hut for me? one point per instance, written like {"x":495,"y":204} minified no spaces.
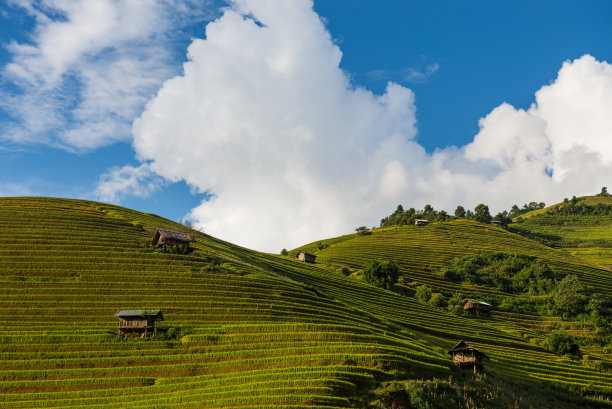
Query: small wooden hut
{"x":421,"y":222}
{"x":466,"y":356}
{"x":138,"y":323}
{"x":306,"y":257}
{"x":496,"y":223}
{"x":168,"y":238}
{"x":474,"y":307}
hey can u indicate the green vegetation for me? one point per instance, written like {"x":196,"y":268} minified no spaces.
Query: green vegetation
{"x":381,"y":273}
{"x":249,"y":329}
{"x":510,"y":273}
{"x":561,"y":343}
{"x":401,"y":218}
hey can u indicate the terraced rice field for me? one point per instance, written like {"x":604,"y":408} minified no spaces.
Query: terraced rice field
{"x":587,"y":237}
{"x":251,"y":329}
{"x":421,"y":251}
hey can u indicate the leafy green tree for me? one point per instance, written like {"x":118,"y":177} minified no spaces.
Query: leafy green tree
{"x":481,"y":213}
{"x":363,"y":231}
{"x":423,"y":293}
{"x":284,"y":252}
{"x":562,"y":343}
{"x":469,"y":214}
{"x":459,"y":211}
{"x":381,"y":273}
{"x":502,"y":218}
{"x":604,"y":192}
{"x":567,"y":297}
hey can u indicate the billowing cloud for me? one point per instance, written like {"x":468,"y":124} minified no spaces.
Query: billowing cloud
{"x":88,"y":69}
{"x":264,"y":118}
{"x":118,"y":182}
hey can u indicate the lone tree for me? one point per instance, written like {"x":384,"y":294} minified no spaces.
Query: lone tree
{"x":381,"y":273}
{"x":460,"y":211}
{"x":481,"y":214}
{"x":363,"y":231}
{"x":567,"y":297}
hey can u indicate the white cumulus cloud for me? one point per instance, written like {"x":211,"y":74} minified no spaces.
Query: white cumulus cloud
{"x":264,"y":118}
{"x":118,"y":182}
{"x":88,"y":68}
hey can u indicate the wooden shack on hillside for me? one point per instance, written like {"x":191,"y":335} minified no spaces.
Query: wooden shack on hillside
{"x":474,"y":307}
{"x":306,"y":257}
{"x":168,"y":238}
{"x":138,"y":323}
{"x":466,"y":356}
{"x":496,"y":223}
{"x":421,"y":222}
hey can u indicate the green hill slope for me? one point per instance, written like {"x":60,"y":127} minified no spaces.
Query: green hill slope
{"x":246,"y":329}
{"x":588,"y":236}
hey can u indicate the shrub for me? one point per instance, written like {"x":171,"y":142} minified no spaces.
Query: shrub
{"x":438,"y":300}
{"x":345,"y":271}
{"x":561,"y":343}
{"x":423,"y":293}
{"x":455,"y":304}
{"x":381,"y":273}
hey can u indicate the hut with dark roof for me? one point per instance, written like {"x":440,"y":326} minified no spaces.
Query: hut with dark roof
{"x":138,"y":323}
{"x":306,"y":257}
{"x":466,"y":356}
{"x":168,"y":238}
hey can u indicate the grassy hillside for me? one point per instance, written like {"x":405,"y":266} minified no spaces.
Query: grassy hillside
{"x":422,"y":251}
{"x":585,"y":236}
{"x":247,"y":329}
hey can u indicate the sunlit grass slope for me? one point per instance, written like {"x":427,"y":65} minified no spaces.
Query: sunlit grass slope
{"x":585,"y":236}
{"x":251,"y":329}
{"x":421,"y":251}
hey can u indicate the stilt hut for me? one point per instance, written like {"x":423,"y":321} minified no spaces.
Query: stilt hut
{"x":421,"y":222}
{"x":168,"y":238}
{"x":466,"y":356}
{"x":306,"y":257}
{"x":474,"y":307}
{"x":138,"y":323}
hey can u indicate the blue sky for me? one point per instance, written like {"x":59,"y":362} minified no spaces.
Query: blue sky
{"x":264,"y":109}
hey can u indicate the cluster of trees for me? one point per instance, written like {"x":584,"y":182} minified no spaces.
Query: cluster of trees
{"x":553,"y":293}
{"x":511,"y":273}
{"x":404,"y":217}
{"x":516,"y":211}
{"x":481,"y":213}
{"x":574,"y":207}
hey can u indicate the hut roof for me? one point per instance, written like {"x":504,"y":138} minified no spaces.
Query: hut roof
{"x":476,"y":302}
{"x":140,"y":313}
{"x":175,"y":235}
{"x":463,"y":346}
